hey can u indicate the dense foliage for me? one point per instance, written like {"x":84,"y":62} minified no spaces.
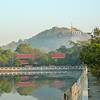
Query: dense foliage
{"x":90,"y":54}
{"x":17,"y":63}
{"x":31,"y":61}
{"x":7,"y":58}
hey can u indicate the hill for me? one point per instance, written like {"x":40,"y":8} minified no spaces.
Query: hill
{"x":50,"y":39}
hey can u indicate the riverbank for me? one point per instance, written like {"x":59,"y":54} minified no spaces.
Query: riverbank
{"x":94,"y":88}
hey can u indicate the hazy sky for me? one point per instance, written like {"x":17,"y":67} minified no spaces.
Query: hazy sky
{"x":22,"y":19}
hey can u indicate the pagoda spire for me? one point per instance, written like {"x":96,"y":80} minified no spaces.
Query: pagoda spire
{"x":71,"y":30}
{"x":71,"y":27}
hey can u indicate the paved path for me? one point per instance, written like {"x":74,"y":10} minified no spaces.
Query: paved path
{"x":85,"y":90}
{"x":94,"y":88}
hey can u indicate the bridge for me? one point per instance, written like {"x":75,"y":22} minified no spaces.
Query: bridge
{"x":43,"y":68}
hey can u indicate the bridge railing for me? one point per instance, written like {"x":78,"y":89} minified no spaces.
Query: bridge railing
{"x":43,"y":68}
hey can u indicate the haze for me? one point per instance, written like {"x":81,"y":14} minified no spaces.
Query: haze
{"x":22,"y":19}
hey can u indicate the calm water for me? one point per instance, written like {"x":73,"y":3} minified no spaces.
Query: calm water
{"x":36,"y":86}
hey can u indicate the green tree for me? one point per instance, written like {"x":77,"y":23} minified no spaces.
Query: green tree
{"x":95,"y":73}
{"x":31,"y":61}
{"x":51,"y":62}
{"x":8,"y":53}
{"x":90,"y":54}
{"x":4,"y":59}
{"x":1,"y":50}
{"x":42,"y":62}
{"x":95,"y":38}
{"x":17,"y":63}
{"x":40,"y":55}
{"x":1,"y":61}
{"x":24,"y":49}
{"x":62,"y":49}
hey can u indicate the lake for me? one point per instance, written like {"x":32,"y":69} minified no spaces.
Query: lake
{"x":36,"y":86}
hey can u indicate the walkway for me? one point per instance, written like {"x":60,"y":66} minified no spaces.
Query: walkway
{"x":94,"y":88}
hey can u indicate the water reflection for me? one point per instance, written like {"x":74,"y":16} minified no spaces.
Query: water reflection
{"x":49,"y":86}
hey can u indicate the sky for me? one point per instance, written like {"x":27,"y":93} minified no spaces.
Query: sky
{"x":23,"y":19}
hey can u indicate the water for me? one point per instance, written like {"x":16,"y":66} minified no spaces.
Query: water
{"x":36,"y":86}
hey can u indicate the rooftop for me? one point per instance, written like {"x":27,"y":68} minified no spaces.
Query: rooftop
{"x":59,"y":55}
{"x":26,"y":55}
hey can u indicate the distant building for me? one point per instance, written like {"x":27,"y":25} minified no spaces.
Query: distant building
{"x":72,"y":31}
{"x":58,"y":56}
{"x":25,"y":57}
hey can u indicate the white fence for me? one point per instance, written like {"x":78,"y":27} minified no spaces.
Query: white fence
{"x":42,"y":68}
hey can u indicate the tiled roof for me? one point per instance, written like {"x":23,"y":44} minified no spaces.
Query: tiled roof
{"x":59,"y":55}
{"x":26,"y":55}
{"x":24,"y":61}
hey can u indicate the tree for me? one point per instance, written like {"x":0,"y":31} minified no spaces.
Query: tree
{"x":1,"y":61}
{"x":4,"y":59}
{"x":40,"y":55}
{"x":24,"y":49}
{"x":31,"y":61}
{"x":17,"y":63}
{"x":51,"y":62}
{"x":8,"y":53}
{"x":15,"y":55}
{"x":62,"y":49}
{"x":95,"y":38}
{"x":90,"y":54}
{"x":43,"y":62}
{"x":1,"y":50}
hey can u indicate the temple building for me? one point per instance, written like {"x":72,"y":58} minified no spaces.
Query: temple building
{"x":72,"y":31}
{"x":58,"y":56}
{"x":24,"y":59}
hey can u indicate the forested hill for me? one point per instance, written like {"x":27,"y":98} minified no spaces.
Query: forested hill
{"x":50,"y":39}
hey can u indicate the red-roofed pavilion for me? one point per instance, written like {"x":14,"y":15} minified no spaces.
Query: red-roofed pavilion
{"x":57,"y":56}
{"x":25,"y":57}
